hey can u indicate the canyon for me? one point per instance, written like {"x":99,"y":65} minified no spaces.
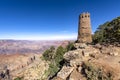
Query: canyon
{"x":17,"y":56}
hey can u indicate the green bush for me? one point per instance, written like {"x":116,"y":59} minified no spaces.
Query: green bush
{"x":59,"y":55}
{"x":48,"y":55}
{"x":70,"y":46}
{"x":108,"y":32}
{"x":54,"y":57}
{"x":53,"y":69}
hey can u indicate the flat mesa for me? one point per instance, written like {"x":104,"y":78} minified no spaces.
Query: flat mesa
{"x":84,"y":28}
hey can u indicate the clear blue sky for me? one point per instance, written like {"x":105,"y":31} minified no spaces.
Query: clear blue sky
{"x":51,"y":19}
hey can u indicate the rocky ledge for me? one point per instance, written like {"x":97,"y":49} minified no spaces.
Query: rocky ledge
{"x":91,"y":62}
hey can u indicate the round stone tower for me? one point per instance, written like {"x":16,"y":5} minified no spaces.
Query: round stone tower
{"x":84,"y":28}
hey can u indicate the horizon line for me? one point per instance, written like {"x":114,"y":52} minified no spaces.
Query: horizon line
{"x":38,"y":40}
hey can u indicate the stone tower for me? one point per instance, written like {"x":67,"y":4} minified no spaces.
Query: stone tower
{"x":84,"y":28}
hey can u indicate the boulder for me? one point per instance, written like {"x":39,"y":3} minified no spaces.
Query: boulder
{"x":76,"y":62}
{"x":98,"y":46}
{"x":76,"y":54}
{"x":79,"y":69}
{"x":110,"y":50}
{"x":105,"y":50}
{"x":113,"y":53}
{"x":80,"y":45}
{"x":65,"y":72}
{"x":86,"y":53}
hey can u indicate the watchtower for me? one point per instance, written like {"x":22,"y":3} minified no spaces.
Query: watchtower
{"x":84,"y":28}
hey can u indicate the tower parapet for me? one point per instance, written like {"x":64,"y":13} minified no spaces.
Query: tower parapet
{"x":85,"y":15}
{"x":84,"y":28}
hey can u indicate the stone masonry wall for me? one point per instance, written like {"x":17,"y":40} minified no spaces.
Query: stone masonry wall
{"x":84,"y":28}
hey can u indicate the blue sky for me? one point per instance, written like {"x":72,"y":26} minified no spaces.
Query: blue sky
{"x":51,"y":19}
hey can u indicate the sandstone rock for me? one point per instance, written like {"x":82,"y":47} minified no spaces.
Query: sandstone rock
{"x":72,"y":55}
{"x":98,"y":46}
{"x":76,"y":62}
{"x":90,"y":54}
{"x":71,"y":79}
{"x":79,"y":69}
{"x":57,"y":78}
{"x":34,"y":71}
{"x":80,"y":45}
{"x":105,"y":51}
{"x":75,"y":75}
{"x":86,"y":53}
{"x":95,"y":51}
{"x":113,"y":53}
{"x":65,"y":72}
{"x":110,"y":50}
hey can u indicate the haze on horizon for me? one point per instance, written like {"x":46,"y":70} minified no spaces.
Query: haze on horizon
{"x":51,"y":19}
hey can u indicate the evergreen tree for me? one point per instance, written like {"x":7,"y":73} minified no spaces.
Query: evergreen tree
{"x":109,"y":32}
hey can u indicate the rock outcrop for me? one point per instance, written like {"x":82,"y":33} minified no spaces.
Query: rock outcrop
{"x":99,"y":58}
{"x":65,"y":72}
{"x":34,"y":71}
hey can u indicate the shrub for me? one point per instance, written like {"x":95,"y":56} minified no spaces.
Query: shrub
{"x":49,"y":54}
{"x":108,"y":32}
{"x":70,"y":46}
{"x":55,"y":57}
